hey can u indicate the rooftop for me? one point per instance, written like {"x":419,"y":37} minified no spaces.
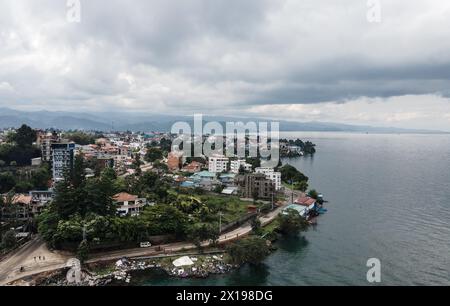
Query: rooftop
{"x":124,"y":197}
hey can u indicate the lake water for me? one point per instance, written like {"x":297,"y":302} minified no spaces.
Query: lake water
{"x":389,"y":198}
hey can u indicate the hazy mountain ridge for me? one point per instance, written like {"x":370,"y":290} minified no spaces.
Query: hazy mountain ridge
{"x":157,"y":122}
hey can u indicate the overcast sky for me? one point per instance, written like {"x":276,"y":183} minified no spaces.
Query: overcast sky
{"x":290,"y":59}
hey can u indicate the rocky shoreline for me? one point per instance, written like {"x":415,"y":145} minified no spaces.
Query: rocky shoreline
{"x":122,"y":271}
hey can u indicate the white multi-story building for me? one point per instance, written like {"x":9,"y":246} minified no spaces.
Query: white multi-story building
{"x":63,"y":156}
{"x":235,"y":165}
{"x":218,"y":164}
{"x":270,"y":174}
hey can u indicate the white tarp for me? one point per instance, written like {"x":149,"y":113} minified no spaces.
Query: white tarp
{"x":183,"y":261}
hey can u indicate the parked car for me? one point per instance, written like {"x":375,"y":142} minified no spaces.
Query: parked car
{"x":145,"y":244}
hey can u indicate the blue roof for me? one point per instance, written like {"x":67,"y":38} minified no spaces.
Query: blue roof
{"x":187,"y":184}
{"x":205,"y":174}
{"x":300,"y":209}
{"x":227,"y":175}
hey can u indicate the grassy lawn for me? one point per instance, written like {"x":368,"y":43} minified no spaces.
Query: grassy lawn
{"x":232,"y":208}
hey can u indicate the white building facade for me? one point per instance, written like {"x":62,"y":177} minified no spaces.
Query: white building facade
{"x":270,"y":174}
{"x":218,"y":164}
{"x":62,"y":159}
{"x":235,"y":165}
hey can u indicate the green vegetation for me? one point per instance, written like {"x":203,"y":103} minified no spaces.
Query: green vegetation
{"x":291,"y":175}
{"x":313,"y":194}
{"x":153,"y":154}
{"x":9,"y":240}
{"x":256,"y":225}
{"x":251,"y":250}
{"x":15,"y":159}
{"x":307,"y":147}
{"x":86,"y":204}
{"x":83,"y":251}
{"x":200,"y":232}
{"x":255,"y":162}
{"x":19,"y":149}
{"x":292,"y":223}
{"x":24,"y":179}
{"x":81,"y":138}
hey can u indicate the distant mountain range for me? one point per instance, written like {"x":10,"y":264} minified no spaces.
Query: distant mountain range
{"x":156,"y":122}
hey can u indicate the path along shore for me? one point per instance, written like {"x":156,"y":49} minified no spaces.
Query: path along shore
{"x":36,"y":258}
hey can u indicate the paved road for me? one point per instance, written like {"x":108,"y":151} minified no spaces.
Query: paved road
{"x":10,"y":267}
{"x":180,"y":246}
{"x":34,"y":257}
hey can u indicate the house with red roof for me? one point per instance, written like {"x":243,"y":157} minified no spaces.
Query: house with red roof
{"x":128,"y":204}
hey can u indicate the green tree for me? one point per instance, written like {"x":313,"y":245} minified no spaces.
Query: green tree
{"x":302,"y":186}
{"x":9,"y":239}
{"x":153,"y":154}
{"x":41,"y":177}
{"x":78,"y":176}
{"x":313,"y":194}
{"x":83,"y":251}
{"x":24,"y":136}
{"x":160,"y":166}
{"x":292,"y":223}
{"x":48,"y":223}
{"x":256,"y":225}
{"x":200,"y":232}
{"x":255,"y":162}
{"x":251,"y":250}
{"x":7,"y":182}
{"x":218,"y":189}
{"x":291,"y":174}
{"x":80,"y":138}
{"x":165,"y":145}
{"x":137,"y":164}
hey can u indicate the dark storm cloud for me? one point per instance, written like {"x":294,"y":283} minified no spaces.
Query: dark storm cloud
{"x":219,"y":55}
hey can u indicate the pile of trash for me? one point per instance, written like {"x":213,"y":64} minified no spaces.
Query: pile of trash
{"x":194,"y":268}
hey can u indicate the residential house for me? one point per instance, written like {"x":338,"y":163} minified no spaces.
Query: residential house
{"x":193,"y":167}
{"x":40,"y":199}
{"x":128,"y":204}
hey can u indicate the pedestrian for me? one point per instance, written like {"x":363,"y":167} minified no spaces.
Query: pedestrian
{"x":43,"y":258}
{"x":34,"y":258}
{"x":39,"y":257}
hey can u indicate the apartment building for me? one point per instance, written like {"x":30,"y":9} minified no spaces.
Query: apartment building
{"x":45,"y":141}
{"x":62,"y":159}
{"x":255,"y":185}
{"x":270,"y":174}
{"x":218,"y":164}
{"x":235,"y":165}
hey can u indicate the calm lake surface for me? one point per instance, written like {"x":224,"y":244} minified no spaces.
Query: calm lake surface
{"x":389,"y":199}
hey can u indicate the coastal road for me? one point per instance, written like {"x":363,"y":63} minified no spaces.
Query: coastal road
{"x":28,"y":255}
{"x":239,"y":232}
{"x":34,"y":257}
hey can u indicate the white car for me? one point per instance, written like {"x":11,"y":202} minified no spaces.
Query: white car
{"x":145,"y":244}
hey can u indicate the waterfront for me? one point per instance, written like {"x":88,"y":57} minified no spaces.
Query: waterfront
{"x":389,"y":199}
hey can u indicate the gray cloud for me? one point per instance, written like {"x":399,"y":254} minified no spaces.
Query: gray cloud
{"x":220,"y":55}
